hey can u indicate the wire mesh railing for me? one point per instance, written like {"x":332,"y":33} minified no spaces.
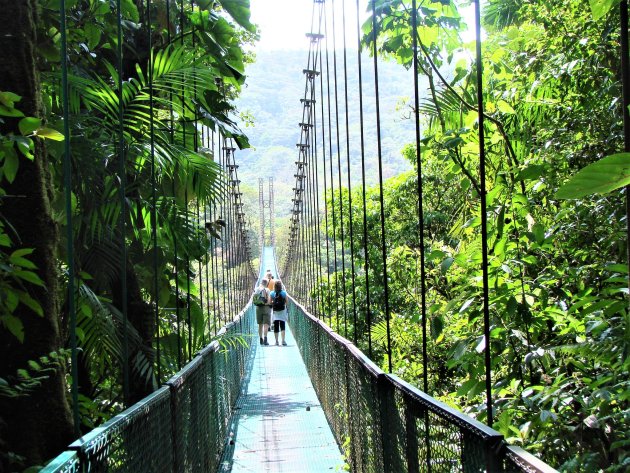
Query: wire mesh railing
{"x":182,"y":426}
{"x":385,"y":424}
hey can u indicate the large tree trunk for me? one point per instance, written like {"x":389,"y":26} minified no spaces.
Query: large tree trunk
{"x":36,"y":426}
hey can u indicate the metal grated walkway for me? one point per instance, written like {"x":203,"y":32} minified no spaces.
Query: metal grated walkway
{"x":278,"y":424}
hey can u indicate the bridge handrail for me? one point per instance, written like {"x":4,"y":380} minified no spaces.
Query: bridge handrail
{"x":180,"y":427}
{"x":386,"y":424}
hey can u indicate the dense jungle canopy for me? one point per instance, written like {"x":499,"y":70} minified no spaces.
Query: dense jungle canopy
{"x":557,"y":240}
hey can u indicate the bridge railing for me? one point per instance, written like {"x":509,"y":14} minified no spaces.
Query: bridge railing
{"x":386,"y":425}
{"x":181,"y":427}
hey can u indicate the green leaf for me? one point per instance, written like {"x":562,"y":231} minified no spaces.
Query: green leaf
{"x":239,"y":10}
{"x":446,"y":264}
{"x":22,"y":262}
{"x":12,"y":300}
{"x":50,"y":134}
{"x":601,"y":177}
{"x":28,"y":125}
{"x":25,"y":145}
{"x":9,"y":112}
{"x":11,"y":164}
{"x":31,"y":303}
{"x":437,"y":326}
{"x":600,"y":8}
{"x":8,"y":99}
{"x":13,"y":325}
{"x":505,"y":107}
{"x":22,"y":252}
{"x":129,"y":10}
{"x":29,"y":276}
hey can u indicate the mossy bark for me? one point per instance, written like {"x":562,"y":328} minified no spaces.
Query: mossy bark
{"x":37,"y":426}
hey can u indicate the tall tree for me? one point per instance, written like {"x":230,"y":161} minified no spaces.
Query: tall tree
{"x":36,"y":425}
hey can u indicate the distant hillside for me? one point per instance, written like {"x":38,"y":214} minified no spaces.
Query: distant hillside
{"x":275,"y":85}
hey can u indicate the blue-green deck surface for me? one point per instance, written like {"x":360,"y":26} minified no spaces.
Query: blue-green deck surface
{"x":279,"y":425}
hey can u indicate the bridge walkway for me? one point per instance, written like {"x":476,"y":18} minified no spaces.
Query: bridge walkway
{"x":279,"y":424}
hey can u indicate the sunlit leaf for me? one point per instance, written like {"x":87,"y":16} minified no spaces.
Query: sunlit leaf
{"x":28,"y":125}
{"x":600,"y":8}
{"x":50,"y":134}
{"x":601,"y":177}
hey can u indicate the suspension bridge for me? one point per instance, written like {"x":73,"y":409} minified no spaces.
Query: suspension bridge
{"x":319,"y":404}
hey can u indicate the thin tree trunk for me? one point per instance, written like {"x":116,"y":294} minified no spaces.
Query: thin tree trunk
{"x":36,"y":426}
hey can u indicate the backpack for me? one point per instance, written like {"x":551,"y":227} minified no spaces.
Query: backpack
{"x":260,"y":297}
{"x":278,"y":302}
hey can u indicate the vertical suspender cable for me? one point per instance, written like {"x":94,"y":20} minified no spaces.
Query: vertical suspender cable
{"x":332,"y":183}
{"x":315,"y":160}
{"x":205,"y":143}
{"x":425,"y":364}
{"x":156,"y":311}
{"x":123,"y":206}
{"x":380,"y":183}
{"x":216,"y":305}
{"x":350,"y":215}
{"x":173,"y":191}
{"x":625,"y":78}
{"x":484,"y":217}
{"x":341,"y":232}
{"x":323,"y":120}
{"x":414,"y":21}
{"x":366,"y":263}
{"x":186,"y":217}
{"x":196,"y":148}
{"x":223,"y":232}
{"x":230,"y":222}
{"x":67,"y":182}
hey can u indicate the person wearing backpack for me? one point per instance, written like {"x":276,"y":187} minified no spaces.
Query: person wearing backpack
{"x":280,"y":316}
{"x":262,"y":301}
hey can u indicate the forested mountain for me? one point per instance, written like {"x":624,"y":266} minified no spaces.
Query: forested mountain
{"x":271,"y":99}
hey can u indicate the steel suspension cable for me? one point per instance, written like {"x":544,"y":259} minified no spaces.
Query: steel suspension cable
{"x":123,"y":205}
{"x":380,"y":183}
{"x":174,"y":193}
{"x":341,"y":229}
{"x":484,"y":216}
{"x":315,"y":160}
{"x":315,"y":170}
{"x":216,"y":303}
{"x":186,"y":214}
{"x":350,"y":214}
{"x":324,"y":174}
{"x":625,"y":79}
{"x":205,"y":144}
{"x":366,"y":263}
{"x":156,"y":311}
{"x":332,"y":184}
{"x":67,"y":182}
{"x":198,"y":191}
{"x":414,"y":21}
{"x":222,"y":216}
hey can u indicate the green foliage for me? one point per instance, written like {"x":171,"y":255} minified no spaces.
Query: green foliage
{"x":17,"y":272}
{"x":31,"y":376}
{"x":603,"y":176}
{"x":557,"y":269}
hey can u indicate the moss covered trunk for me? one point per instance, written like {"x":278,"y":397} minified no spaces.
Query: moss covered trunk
{"x":38,"y":425}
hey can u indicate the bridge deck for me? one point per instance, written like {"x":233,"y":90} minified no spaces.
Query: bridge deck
{"x":279,"y":425}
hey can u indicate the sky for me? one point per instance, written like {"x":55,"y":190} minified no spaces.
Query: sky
{"x":284,"y":23}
